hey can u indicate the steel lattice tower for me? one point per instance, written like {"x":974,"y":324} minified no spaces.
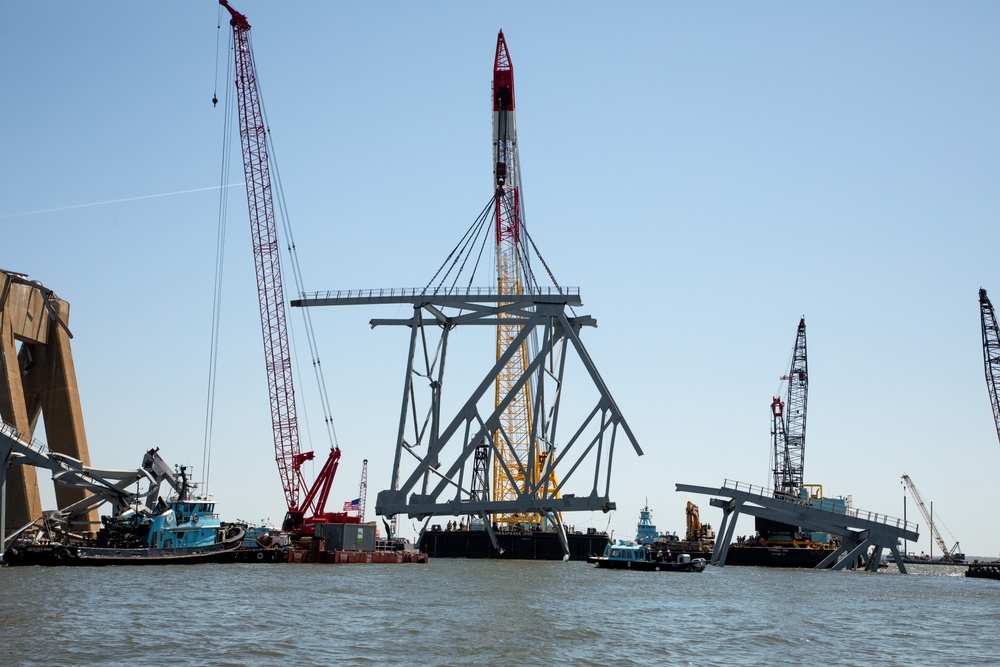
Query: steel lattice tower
{"x":991,"y":353}
{"x":790,"y":433}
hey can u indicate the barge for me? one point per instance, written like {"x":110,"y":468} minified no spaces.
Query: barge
{"x":516,"y":545}
{"x":985,"y":570}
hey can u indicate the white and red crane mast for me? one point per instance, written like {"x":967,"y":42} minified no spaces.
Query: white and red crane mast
{"x":515,"y":450}
{"x":301,"y":517}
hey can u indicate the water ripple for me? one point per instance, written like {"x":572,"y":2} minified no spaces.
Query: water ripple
{"x":478,"y":612}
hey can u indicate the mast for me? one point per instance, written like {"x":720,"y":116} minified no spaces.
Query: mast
{"x":516,"y":418}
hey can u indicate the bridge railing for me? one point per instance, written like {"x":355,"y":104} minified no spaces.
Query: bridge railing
{"x":34,"y":444}
{"x":410,"y":292}
{"x":874,"y":517}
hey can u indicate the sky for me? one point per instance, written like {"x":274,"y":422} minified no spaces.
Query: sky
{"x":705,"y":173}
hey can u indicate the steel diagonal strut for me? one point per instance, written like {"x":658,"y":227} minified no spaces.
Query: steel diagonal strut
{"x":432,"y":466}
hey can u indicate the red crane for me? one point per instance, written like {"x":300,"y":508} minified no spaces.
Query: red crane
{"x":302,"y":516}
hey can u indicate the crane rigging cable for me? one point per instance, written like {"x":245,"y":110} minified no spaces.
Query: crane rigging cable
{"x":474,"y":242}
{"x":220,"y":252}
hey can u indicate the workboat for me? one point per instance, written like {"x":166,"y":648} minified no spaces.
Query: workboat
{"x":631,"y":556}
{"x":698,"y":540}
{"x":184,"y":529}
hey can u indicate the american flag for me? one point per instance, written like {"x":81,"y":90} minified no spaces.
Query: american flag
{"x":352,"y":505}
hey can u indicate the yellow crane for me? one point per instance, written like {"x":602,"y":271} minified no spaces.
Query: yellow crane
{"x":522,"y":461}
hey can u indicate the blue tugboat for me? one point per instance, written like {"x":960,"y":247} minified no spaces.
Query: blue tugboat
{"x":645,"y":531}
{"x":183,"y":529}
{"x":630,"y":556}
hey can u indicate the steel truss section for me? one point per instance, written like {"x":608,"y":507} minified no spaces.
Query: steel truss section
{"x":101,"y":486}
{"x":434,"y":468}
{"x":863,"y":534}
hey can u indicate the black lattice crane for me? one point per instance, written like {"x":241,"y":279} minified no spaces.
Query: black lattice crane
{"x":991,"y":353}
{"x":789,"y":422}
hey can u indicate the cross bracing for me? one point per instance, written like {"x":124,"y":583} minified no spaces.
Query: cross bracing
{"x":436,"y":450}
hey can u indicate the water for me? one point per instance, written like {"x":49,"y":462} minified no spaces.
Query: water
{"x":510,"y":613}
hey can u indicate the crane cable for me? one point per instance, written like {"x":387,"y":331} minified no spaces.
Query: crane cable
{"x":220,"y":253}
{"x":282,"y":210}
{"x":279,"y":197}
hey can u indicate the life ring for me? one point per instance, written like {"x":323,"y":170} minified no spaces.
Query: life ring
{"x":194,"y":519}
{"x":260,"y":555}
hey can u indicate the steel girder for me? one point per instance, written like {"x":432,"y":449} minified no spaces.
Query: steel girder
{"x":433,"y":467}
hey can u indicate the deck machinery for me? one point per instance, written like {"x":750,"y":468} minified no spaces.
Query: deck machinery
{"x":495,"y":461}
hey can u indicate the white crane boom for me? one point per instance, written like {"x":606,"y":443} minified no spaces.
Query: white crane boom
{"x":947,"y":553}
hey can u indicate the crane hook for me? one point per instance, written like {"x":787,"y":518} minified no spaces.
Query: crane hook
{"x":215,"y":101}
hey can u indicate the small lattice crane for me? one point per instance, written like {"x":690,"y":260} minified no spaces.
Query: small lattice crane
{"x":948,"y":554}
{"x":789,"y":423}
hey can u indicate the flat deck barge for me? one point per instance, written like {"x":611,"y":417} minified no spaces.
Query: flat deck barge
{"x":517,"y":545}
{"x":776,"y":556}
{"x":987,"y":570}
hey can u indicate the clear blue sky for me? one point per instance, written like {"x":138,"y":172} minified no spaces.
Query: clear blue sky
{"x":706,"y":173}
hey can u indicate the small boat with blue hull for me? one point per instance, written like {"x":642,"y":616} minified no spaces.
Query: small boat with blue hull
{"x":631,"y":556}
{"x":183,"y":529}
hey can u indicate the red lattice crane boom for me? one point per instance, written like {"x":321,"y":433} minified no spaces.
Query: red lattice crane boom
{"x":301,"y":517}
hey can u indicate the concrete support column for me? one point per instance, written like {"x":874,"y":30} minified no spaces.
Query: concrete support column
{"x":23,"y":503}
{"x":50,"y":388}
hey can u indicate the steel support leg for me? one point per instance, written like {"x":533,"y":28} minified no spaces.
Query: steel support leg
{"x":727,"y":536}
{"x":852,"y":558}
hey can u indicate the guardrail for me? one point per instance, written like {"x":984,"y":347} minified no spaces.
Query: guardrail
{"x":410,"y":292}
{"x":874,"y":517}
{"x":34,"y":444}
